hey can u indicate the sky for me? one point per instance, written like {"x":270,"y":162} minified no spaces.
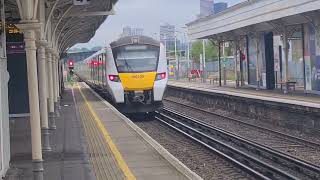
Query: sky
{"x":149,"y":15}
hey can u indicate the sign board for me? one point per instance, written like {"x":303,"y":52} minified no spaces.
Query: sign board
{"x":12,"y":29}
{"x":15,"y":47}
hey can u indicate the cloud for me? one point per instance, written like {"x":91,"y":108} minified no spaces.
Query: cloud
{"x":146,"y":14}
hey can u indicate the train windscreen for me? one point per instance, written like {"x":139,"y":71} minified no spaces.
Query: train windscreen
{"x":136,"y":58}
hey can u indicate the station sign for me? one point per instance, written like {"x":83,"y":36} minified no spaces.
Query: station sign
{"x":15,"y":47}
{"x":12,"y":29}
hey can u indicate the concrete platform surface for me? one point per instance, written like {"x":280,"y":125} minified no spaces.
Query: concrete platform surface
{"x":294,"y":98}
{"x":131,"y":152}
{"x":93,"y":141}
{"x":69,"y":157}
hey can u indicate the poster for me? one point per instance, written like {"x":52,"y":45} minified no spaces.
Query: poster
{"x":308,"y":72}
{"x":252,"y":59}
{"x":314,"y":40}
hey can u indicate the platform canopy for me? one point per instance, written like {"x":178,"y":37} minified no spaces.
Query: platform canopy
{"x":254,"y":16}
{"x":64,"y":22}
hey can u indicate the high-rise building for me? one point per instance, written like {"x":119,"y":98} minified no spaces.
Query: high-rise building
{"x":136,"y":31}
{"x":219,"y":7}
{"x":167,"y":35}
{"x":206,"y":7}
{"x":126,"y":31}
{"x":129,"y":31}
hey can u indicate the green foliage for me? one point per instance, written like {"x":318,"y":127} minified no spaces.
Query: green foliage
{"x":228,"y":51}
{"x":196,"y":50}
{"x":211,"y":51}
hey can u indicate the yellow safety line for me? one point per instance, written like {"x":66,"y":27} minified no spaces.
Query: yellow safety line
{"x":117,"y":155}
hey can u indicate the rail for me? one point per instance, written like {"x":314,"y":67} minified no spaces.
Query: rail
{"x":257,"y":160}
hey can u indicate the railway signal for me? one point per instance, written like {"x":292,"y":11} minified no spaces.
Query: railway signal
{"x":71,"y":67}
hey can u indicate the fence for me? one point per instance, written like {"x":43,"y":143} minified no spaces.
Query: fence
{"x":211,"y":67}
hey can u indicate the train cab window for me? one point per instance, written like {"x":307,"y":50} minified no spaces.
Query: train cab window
{"x":137,"y":58}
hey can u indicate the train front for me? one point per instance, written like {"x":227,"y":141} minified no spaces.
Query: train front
{"x":142,"y":72}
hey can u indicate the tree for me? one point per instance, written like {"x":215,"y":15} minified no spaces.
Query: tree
{"x":211,"y":51}
{"x":196,"y":50}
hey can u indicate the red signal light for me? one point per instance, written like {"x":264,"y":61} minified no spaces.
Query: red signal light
{"x":70,"y":63}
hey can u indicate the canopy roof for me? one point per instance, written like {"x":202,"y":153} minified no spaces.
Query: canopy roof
{"x":70,"y":24}
{"x":253,"y":16}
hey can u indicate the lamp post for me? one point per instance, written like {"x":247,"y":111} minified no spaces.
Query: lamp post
{"x":176,"y":56}
{"x":188,"y":49}
{"x":188,"y":46}
{"x":203,"y":59}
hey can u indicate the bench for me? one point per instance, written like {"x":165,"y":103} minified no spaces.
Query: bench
{"x":288,"y":85}
{"x":213,"y":77}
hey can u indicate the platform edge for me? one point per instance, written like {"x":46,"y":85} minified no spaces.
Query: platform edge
{"x":160,"y":149}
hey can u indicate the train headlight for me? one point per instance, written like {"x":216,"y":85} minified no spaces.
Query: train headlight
{"x":161,"y":76}
{"x":114,"y":78}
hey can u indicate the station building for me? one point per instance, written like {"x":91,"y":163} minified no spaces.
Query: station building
{"x":280,"y":41}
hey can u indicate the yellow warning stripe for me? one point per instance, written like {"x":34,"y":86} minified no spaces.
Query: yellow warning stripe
{"x":117,"y":155}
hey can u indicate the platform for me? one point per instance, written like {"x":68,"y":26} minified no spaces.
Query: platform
{"x":94,"y":141}
{"x":295,"y":98}
{"x":300,"y":112}
{"x":69,"y":158}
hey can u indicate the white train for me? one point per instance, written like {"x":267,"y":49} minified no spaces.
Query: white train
{"x":131,"y":71}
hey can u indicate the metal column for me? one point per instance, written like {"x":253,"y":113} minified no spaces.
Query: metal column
{"x":50,"y":86}
{"x":257,"y":62}
{"x":56,"y":85}
{"x":4,"y":111}
{"x":286,"y":58}
{"x":43,"y":95}
{"x":31,"y":50}
{"x":219,"y":61}
{"x":236,"y":74}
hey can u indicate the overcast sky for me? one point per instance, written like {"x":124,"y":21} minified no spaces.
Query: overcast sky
{"x":149,"y":15}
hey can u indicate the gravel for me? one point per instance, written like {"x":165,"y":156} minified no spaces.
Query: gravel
{"x":293,"y":148}
{"x":199,"y":159}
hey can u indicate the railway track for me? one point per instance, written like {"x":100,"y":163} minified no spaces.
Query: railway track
{"x":282,"y":135}
{"x":259,"y":161}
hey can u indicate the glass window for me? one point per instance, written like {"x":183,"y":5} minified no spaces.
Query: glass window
{"x":136,"y":58}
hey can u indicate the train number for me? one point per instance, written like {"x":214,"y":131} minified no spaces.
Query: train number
{"x":138,"y":76}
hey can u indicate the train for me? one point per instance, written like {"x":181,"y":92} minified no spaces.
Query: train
{"x":131,"y":71}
